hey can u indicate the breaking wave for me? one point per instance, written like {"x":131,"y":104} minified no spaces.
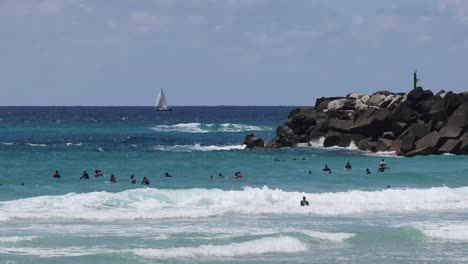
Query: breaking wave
{"x":255,"y":247}
{"x":209,"y":128}
{"x":445,"y":231}
{"x":260,"y":246}
{"x":149,"y":203}
{"x":197,"y":147}
{"x":318,"y":143}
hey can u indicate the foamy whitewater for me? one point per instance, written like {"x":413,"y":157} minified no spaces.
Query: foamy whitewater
{"x":416,"y":212}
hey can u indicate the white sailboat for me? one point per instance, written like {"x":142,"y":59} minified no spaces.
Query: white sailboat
{"x":161,"y":102}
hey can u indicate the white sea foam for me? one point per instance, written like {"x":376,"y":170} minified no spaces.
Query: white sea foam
{"x":36,"y":145}
{"x":53,"y":252}
{"x":207,"y":128}
{"x":14,"y":239}
{"x":445,"y":231}
{"x":197,"y":147}
{"x":318,"y":143}
{"x":152,"y":203}
{"x":336,"y":237}
{"x":73,"y":144}
{"x":255,"y":247}
{"x":7,"y":143}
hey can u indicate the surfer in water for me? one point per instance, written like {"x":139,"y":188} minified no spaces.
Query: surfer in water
{"x":382,"y":166}
{"x":132,"y":179}
{"x":57,"y":175}
{"x":112,"y":179}
{"x":85,"y":175}
{"x":304,"y":202}
{"x":327,"y":169}
{"x":220,"y":175}
{"x":348,"y":166}
{"x":368,"y":171}
{"x":167,"y":174}
{"x":145,"y":181}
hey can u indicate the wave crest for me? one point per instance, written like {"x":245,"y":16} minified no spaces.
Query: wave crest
{"x":209,"y":128}
{"x":197,"y":147}
{"x":152,"y":203}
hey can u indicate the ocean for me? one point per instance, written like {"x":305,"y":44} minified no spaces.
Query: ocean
{"x":415,"y":212}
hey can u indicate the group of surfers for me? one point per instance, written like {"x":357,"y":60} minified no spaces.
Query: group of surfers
{"x":382,"y":167}
{"x":145,"y":181}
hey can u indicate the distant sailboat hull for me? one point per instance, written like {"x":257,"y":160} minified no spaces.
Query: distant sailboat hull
{"x":164,"y":109}
{"x":161,"y":102}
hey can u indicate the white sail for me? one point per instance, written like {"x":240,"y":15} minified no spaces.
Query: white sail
{"x":161,"y":102}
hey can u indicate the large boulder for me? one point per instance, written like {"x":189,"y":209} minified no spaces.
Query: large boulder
{"x":443,"y":106}
{"x":398,"y":128}
{"x":419,"y":130}
{"x":367,"y":144}
{"x":340,"y":125}
{"x":360,"y":105}
{"x":322,"y":103}
{"x":384,"y":144}
{"x":354,"y":96}
{"x":403,"y":113}
{"x":336,"y":104}
{"x":450,"y":132}
{"x":431,"y":140}
{"x":459,"y":117}
{"x":372,"y":123}
{"x":395,"y":102}
{"x":252,"y":142}
{"x":396,"y":146}
{"x":419,"y":152}
{"x":376,"y":99}
{"x":286,"y":136}
{"x":388,"y":135}
{"x":332,"y":139}
{"x":418,"y":94}
{"x":451,"y":146}
{"x":365,"y":99}
{"x":407,"y":143}
{"x":464,"y":143}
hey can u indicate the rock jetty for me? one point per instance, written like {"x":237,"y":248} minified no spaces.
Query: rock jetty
{"x":417,"y":123}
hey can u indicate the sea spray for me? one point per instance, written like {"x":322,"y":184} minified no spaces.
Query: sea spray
{"x":198,"y":203}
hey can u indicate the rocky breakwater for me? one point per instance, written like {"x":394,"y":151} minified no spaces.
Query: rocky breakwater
{"x":416,"y":123}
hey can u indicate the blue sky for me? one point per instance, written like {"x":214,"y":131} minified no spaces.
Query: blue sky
{"x":226,"y":52}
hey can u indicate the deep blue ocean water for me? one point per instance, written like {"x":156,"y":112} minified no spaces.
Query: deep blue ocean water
{"x":352,"y":218}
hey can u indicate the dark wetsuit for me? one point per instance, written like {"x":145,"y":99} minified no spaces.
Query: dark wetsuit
{"x":85,"y":176}
{"x":57,"y":176}
{"x":304,"y":203}
{"x":145,"y":182}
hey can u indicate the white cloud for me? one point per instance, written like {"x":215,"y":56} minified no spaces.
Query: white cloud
{"x":458,"y":8}
{"x":196,"y":19}
{"x":244,"y":3}
{"x":303,"y":33}
{"x":51,"y":7}
{"x":357,"y":20}
{"x":144,"y":22}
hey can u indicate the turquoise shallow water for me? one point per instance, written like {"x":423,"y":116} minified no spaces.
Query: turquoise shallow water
{"x":352,"y":218}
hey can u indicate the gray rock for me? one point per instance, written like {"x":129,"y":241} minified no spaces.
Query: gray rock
{"x":431,"y":140}
{"x":336,"y":104}
{"x":384,"y":144}
{"x":459,"y":117}
{"x":252,"y":142}
{"x":450,"y":132}
{"x":419,"y":152}
{"x":451,"y":146}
